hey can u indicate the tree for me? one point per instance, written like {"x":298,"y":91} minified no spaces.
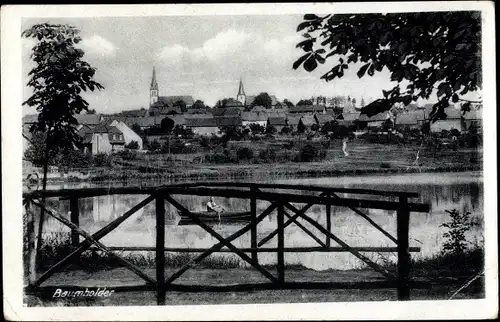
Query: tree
{"x":305,"y":102}
{"x":57,"y":80}
{"x":133,"y":145}
{"x":363,"y":103}
{"x":167,"y":124}
{"x":431,"y":52}
{"x":288,"y":103}
{"x":227,"y":102}
{"x":301,"y":128}
{"x":256,"y":128}
{"x":199,"y":104}
{"x":180,"y":104}
{"x":263,"y":99}
{"x":91,"y":111}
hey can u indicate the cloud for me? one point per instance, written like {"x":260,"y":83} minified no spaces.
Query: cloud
{"x":233,"y":50}
{"x":97,"y":45}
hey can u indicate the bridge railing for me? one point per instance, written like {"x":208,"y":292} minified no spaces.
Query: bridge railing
{"x":281,"y":197}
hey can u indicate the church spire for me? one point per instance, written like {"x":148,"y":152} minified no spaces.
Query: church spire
{"x":154,"y":84}
{"x":241,"y":97}
{"x":241,"y":91}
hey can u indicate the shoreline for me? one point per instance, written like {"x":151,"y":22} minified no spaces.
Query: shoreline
{"x":241,"y":172}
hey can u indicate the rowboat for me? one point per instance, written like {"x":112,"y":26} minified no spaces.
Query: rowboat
{"x":213,"y":217}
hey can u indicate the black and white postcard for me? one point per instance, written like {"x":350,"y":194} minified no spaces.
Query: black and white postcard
{"x":249,"y":161}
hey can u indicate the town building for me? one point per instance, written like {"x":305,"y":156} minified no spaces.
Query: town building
{"x":129,"y":135}
{"x":248,"y":100}
{"x":158,"y":103}
{"x":205,"y":125}
{"x":102,"y":138}
{"x":248,"y":118}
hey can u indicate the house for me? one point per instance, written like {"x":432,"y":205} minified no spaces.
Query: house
{"x":227,"y":111}
{"x":134,"y":113}
{"x":453,"y":120}
{"x":279,"y":112}
{"x":159,"y":109}
{"x":347,"y":119}
{"x":409,"y":120}
{"x":293,"y":121}
{"x":178,"y":120}
{"x":89,"y":119}
{"x":278,"y":122}
{"x":307,"y":109}
{"x":102,"y":138}
{"x":228,"y":121}
{"x":128,"y":134}
{"x":322,"y":119}
{"x":307,"y":121}
{"x":193,"y":111}
{"x":202,"y":125}
{"x":148,"y":122}
{"x":248,"y":118}
{"x":375,"y":121}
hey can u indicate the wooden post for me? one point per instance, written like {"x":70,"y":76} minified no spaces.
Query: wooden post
{"x":253,"y":232}
{"x":281,"y":243}
{"x":403,"y":225}
{"x":328,"y":221}
{"x":30,"y":259}
{"x":160,"y":250}
{"x":75,"y":219}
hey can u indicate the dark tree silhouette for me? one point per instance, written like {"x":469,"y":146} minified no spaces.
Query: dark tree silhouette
{"x":263,"y":99}
{"x":433,"y":52}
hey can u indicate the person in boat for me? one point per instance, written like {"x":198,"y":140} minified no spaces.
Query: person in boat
{"x":213,"y":207}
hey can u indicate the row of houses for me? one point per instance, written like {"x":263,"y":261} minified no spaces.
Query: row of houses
{"x":107,"y":134}
{"x":99,"y":135}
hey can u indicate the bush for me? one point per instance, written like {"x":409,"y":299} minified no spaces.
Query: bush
{"x":102,"y":160}
{"x":456,"y":243}
{"x":126,"y":155}
{"x":154,"y":145}
{"x":307,"y":153}
{"x":286,"y":130}
{"x":133,"y":145}
{"x":244,"y":153}
{"x":385,"y":165}
{"x":267,"y":155}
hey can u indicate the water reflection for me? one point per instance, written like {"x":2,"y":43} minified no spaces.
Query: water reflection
{"x":442,"y":191}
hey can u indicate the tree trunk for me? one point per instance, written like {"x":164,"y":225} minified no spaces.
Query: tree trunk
{"x":44,"y":188}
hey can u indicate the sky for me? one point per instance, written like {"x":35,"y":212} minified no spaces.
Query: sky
{"x":202,"y":56}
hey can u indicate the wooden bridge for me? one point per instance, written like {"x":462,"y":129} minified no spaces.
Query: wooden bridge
{"x":281,"y":197}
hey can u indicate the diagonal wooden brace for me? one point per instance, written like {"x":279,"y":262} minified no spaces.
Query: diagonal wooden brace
{"x":91,"y":240}
{"x":365,"y":259}
{"x":374,"y":224}
{"x":219,"y":245}
{"x":307,"y":231}
{"x":287,"y":223}
{"x":226,"y":243}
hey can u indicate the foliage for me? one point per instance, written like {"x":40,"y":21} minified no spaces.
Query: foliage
{"x":429,"y":51}
{"x":180,"y":104}
{"x":330,"y":126}
{"x":460,"y":223}
{"x":199,"y":104}
{"x":244,"y":153}
{"x":263,"y":99}
{"x":73,"y":158}
{"x":102,"y":160}
{"x":305,"y":102}
{"x":127,"y":155}
{"x":270,"y":129}
{"x":388,"y":125}
{"x":91,"y":111}
{"x":288,"y":103}
{"x":226,"y":102}
{"x":256,"y":128}
{"x":36,"y":149}
{"x":308,"y":153}
{"x":167,"y":125}
{"x":154,"y":145}
{"x":301,"y":128}
{"x":57,"y":80}
{"x":314,"y":127}
{"x":286,"y":130}
{"x":133,"y":145}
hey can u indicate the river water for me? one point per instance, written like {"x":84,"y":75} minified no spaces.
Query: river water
{"x":442,"y":191}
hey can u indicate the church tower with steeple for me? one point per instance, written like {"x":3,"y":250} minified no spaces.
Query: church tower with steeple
{"x":241,"y":97}
{"x":153,"y":90}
